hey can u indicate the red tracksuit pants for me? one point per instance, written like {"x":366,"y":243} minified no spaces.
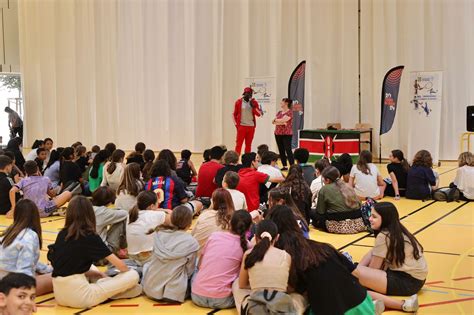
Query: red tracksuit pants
{"x":244,"y":133}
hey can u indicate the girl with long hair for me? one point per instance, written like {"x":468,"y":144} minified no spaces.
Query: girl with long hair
{"x":337,"y":202}
{"x":149,"y":157}
{"x":170,"y":188}
{"x":96,"y":172}
{"x":219,"y":264}
{"x":396,"y":265}
{"x":76,"y":248}
{"x":33,"y":154}
{"x":167,"y":275}
{"x":113,"y":170}
{"x":265,"y":267}
{"x":366,"y":179}
{"x":464,"y":180}
{"x":142,"y":218}
{"x":52,"y":170}
{"x":129,"y":188}
{"x":216,"y":218}
{"x":398,"y":170}
{"x":314,"y":263}
{"x":281,"y":196}
{"x":299,"y":190}
{"x":421,"y":179}
{"x":20,"y":246}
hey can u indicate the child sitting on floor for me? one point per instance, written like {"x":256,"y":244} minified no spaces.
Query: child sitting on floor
{"x":76,"y":247}
{"x":185,"y":168}
{"x":143,"y":217}
{"x":37,"y":188}
{"x":166,"y":276}
{"x":110,"y":221}
{"x":20,"y":247}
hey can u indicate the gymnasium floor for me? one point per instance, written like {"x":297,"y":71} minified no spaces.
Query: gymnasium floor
{"x":446,"y":230}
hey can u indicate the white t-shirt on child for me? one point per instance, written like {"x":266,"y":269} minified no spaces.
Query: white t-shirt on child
{"x":137,"y":238}
{"x":239,"y":199}
{"x":366,"y":184}
{"x":271,"y":171}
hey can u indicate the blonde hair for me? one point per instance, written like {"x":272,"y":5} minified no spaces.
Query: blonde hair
{"x":466,"y":158}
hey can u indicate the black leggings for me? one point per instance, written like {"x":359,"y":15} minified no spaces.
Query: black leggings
{"x":284,"y":148}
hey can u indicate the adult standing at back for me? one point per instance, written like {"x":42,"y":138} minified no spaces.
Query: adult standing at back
{"x":245,"y":110}
{"x":14,"y":123}
{"x":207,"y":173}
{"x":284,"y":132}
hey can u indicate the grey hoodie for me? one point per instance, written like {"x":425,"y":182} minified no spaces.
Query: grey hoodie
{"x":167,"y":275}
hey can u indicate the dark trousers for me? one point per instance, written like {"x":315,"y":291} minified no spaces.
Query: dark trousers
{"x":17,"y":130}
{"x":284,"y":148}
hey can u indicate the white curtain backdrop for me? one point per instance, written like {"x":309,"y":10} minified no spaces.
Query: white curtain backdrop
{"x":167,"y":72}
{"x":423,"y":35}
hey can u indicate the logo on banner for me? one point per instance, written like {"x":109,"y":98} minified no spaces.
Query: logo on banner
{"x":425,"y":92}
{"x":389,"y":101}
{"x":328,"y":144}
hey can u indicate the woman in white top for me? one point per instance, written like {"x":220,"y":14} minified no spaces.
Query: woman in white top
{"x":216,"y":218}
{"x":366,"y":179}
{"x":144,"y":217}
{"x":129,"y":188}
{"x":464,"y":180}
{"x":113,"y":170}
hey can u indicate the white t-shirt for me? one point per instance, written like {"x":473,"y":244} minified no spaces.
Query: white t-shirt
{"x":315,"y":187}
{"x":32,"y":155}
{"x":112,"y":180}
{"x":238,"y":198}
{"x":137,"y":238}
{"x":366,"y":185}
{"x":271,"y":171}
{"x":465,"y":181}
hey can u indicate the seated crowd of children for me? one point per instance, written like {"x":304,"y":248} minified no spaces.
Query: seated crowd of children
{"x":250,"y":240}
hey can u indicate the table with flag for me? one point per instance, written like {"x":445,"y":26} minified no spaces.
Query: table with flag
{"x":332,"y":143}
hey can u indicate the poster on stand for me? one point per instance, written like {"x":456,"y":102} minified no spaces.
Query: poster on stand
{"x":425,"y":114}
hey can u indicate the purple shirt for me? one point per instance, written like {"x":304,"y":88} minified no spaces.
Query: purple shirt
{"x":36,"y":189}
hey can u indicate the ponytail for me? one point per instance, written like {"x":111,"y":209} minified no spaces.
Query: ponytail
{"x":267,"y":231}
{"x":144,"y":200}
{"x":398,"y":154}
{"x":117,"y":157}
{"x":240,"y":224}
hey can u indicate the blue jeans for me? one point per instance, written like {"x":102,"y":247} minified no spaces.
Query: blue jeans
{"x":220,"y":303}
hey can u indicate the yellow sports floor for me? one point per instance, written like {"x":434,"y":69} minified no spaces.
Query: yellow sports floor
{"x":446,"y":230}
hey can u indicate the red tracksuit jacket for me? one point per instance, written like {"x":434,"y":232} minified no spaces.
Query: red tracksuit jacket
{"x":238,"y":111}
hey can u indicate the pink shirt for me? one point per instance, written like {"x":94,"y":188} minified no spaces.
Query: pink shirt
{"x":220,"y":265}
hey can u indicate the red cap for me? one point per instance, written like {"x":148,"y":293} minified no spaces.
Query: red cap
{"x":248,"y":90}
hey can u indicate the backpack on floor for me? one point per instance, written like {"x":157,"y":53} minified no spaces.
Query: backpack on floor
{"x":446,"y":194}
{"x":268,"y":302}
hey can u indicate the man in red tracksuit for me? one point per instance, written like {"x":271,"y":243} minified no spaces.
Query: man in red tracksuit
{"x":245,"y":110}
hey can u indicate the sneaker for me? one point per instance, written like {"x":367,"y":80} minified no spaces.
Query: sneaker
{"x":411,"y":304}
{"x":348,"y":256}
{"x":379,"y":307}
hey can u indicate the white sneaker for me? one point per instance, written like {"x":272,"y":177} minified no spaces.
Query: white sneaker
{"x":379,"y":307}
{"x":411,"y":304}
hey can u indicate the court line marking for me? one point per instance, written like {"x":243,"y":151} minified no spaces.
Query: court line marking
{"x":213,"y":311}
{"x":441,"y":217}
{"x":369,"y":234}
{"x":424,"y":251}
{"x":443,"y":287}
{"x":46,"y":231}
{"x":463,"y":278}
{"x":448,"y":171}
{"x":447,"y":302}
{"x":124,"y":305}
{"x":46,"y":300}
